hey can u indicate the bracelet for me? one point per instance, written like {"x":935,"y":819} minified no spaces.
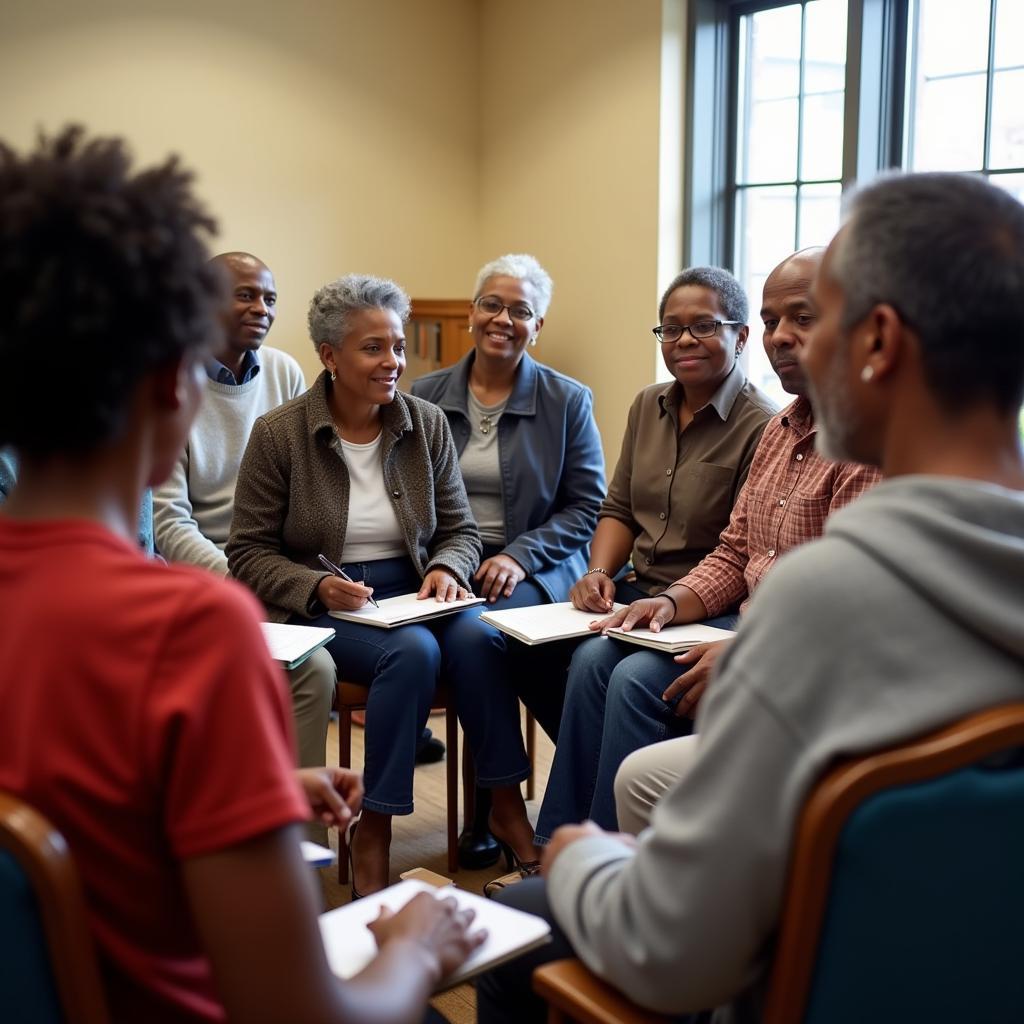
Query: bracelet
{"x":668,"y":597}
{"x":604,"y":572}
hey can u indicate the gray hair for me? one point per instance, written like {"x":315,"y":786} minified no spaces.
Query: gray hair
{"x":523,"y":267}
{"x":947,"y":252}
{"x":730,"y":292}
{"x":331,"y":306}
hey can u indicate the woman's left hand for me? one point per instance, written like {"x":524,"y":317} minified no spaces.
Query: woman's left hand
{"x":498,"y":577}
{"x":442,"y":585}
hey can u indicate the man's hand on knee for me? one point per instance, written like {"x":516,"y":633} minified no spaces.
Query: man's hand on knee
{"x":693,"y":682}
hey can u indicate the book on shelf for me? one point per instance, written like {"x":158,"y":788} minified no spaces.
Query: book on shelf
{"x":399,"y":611}
{"x":350,"y":944}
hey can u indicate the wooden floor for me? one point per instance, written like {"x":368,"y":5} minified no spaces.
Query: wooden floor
{"x":418,"y":840}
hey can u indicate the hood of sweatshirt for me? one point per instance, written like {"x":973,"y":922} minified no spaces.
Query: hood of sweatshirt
{"x":958,"y":543}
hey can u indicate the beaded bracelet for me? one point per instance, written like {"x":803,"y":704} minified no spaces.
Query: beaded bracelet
{"x":604,"y":572}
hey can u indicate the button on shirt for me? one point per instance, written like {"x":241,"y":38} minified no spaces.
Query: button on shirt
{"x":675,"y":489}
{"x":789,"y":493}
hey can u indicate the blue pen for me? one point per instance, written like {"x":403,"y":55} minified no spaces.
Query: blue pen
{"x":328,"y":564}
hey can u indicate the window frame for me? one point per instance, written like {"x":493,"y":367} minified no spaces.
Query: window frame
{"x":876,"y":59}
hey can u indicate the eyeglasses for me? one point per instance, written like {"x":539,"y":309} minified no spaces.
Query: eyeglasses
{"x":669,"y":334}
{"x":491,"y":305}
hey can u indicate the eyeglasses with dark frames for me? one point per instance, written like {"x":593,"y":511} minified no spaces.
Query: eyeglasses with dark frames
{"x":491,"y":305}
{"x":669,"y":334}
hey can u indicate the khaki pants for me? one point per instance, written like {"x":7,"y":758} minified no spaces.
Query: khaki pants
{"x":644,"y":777}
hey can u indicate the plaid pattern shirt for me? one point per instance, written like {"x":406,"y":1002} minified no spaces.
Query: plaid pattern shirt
{"x":789,"y":494}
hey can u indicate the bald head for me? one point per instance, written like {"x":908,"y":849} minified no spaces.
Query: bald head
{"x":252,"y":306}
{"x":788,"y":314}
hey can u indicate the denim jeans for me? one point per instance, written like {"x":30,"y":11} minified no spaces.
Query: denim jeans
{"x":402,"y":668}
{"x":613,"y":706}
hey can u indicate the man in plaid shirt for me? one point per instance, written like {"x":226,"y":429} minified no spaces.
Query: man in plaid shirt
{"x":620,"y":699}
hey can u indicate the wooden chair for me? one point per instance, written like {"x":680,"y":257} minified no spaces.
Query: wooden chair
{"x":905,"y":892}
{"x":352,"y":696}
{"x":48,"y":969}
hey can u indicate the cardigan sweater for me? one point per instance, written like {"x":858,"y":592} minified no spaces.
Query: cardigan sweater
{"x":291,"y":500}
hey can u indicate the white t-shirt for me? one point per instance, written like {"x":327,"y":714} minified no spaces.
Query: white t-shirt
{"x":373,"y":530}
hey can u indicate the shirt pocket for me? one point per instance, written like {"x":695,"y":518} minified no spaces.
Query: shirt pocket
{"x":706,"y":503}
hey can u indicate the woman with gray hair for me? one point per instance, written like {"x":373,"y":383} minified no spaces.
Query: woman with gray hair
{"x":531,"y":458}
{"x":368,"y":477}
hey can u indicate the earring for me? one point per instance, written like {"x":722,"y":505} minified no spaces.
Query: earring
{"x":533,"y":341}
{"x":867,"y":373}
{"x":334,"y":376}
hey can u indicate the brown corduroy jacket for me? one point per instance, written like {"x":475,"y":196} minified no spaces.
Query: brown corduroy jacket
{"x":291,"y":499}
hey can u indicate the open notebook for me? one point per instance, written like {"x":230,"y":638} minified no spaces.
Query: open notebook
{"x":542,"y":623}
{"x":292,"y":645}
{"x":673,"y":639}
{"x":350,"y":945}
{"x":398,"y":611}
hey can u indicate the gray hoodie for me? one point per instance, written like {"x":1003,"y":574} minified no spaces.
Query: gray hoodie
{"x":907,"y":614}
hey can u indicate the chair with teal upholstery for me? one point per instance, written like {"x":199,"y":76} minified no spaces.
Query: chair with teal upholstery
{"x":48,"y":969}
{"x":905,"y":898}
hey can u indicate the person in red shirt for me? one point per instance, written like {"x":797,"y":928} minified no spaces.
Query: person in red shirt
{"x":141,"y":711}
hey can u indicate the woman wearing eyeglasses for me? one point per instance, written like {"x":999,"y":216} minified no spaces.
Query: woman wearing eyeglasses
{"x":530,"y":455}
{"x":685,"y":455}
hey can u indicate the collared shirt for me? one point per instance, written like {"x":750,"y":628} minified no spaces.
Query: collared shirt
{"x":675,"y":489}
{"x":218,"y":372}
{"x":790,"y":492}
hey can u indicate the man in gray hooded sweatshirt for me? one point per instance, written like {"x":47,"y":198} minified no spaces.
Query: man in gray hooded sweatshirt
{"x":904,"y":616}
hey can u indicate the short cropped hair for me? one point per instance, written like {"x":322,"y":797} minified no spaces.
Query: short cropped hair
{"x":947,"y":252}
{"x":730,"y":292}
{"x":523,"y":267}
{"x":333,"y":304}
{"x":106,"y":279}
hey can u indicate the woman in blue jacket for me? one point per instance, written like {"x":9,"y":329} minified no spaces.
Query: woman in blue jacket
{"x":530,"y":455}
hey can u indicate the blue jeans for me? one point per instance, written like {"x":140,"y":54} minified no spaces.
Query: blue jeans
{"x":613,"y":706}
{"x":402,"y":668}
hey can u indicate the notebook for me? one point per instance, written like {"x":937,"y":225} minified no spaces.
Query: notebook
{"x":350,"y":945}
{"x":399,"y":611}
{"x":542,"y":623}
{"x":292,"y":645}
{"x":673,"y":639}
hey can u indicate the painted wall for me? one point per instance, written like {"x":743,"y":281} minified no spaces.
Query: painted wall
{"x":410,"y":139}
{"x":569,"y":116}
{"x":327,"y":135}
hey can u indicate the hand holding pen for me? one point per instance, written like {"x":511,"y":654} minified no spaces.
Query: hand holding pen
{"x":338,"y":597}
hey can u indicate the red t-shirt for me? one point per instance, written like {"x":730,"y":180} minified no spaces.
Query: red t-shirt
{"x":141,"y":713}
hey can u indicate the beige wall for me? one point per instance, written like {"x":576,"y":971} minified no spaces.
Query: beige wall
{"x":328,"y":135}
{"x":569,"y":171}
{"x":406,"y":138}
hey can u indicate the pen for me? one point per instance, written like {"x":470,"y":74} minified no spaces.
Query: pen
{"x":328,"y":564}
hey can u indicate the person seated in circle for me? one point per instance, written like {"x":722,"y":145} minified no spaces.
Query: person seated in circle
{"x":685,"y":457}
{"x":531,"y":458}
{"x":367,"y":476}
{"x":155,"y":733}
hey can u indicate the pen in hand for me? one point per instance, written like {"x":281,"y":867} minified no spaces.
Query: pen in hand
{"x":339,"y":572}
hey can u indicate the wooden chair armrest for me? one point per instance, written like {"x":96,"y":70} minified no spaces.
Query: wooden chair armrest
{"x":572,"y":992}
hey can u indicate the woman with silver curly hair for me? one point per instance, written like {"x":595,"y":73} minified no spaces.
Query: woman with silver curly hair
{"x":368,"y":477}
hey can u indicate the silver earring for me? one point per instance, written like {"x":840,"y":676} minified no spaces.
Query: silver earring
{"x":867,"y":373}
{"x":334,"y":376}
{"x":533,"y":341}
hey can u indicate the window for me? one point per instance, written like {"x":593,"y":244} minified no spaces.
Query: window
{"x":790,"y":101}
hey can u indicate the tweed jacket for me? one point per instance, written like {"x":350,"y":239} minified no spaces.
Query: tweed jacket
{"x":291,"y":500}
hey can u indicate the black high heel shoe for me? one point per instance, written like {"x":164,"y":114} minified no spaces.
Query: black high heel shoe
{"x":516,"y":869}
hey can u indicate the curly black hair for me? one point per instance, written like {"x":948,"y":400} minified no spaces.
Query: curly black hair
{"x":107,"y":279}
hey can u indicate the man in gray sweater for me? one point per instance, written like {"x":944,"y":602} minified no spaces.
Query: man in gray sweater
{"x":905,"y":616}
{"x":192,"y":509}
